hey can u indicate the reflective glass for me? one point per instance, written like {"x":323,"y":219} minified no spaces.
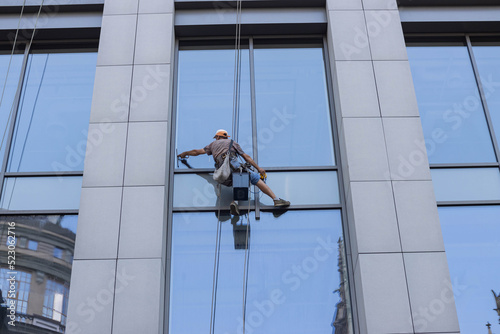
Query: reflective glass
{"x":293,"y":113}
{"x":466,"y":184}
{"x":487,"y":59}
{"x":205,"y":101}
{"x":200,"y":190}
{"x":11,"y":81}
{"x":303,"y":188}
{"x":53,"y":118}
{"x":472,"y":242}
{"x":41,"y":280}
{"x":41,"y":193}
{"x":296,"y":274}
{"x":451,"y":112}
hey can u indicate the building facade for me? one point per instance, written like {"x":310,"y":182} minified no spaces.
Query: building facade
{"x":360,"y":111}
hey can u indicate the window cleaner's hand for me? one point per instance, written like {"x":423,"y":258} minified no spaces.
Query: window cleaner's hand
{"x":262,"y":173}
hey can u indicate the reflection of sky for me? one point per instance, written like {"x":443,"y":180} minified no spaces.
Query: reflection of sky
{"x":487,"y":58}
{"x":451,"y":112}
{"x":54,"y":113}
{"x":472,"y":241}
{"x":293,"y":115}
{"x":10,"y":89}
{"x":205,"y":100}
{"x":289,"y":263}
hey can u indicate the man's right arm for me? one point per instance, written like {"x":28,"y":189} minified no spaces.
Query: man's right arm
{"x":192,"y":153}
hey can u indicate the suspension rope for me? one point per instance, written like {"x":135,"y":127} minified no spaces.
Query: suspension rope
{"x":235,"y":120}
{"x":237,"y":71}
{"x":215,"y":278}
{"x":7,"y":74}
{"x":12,"y":54}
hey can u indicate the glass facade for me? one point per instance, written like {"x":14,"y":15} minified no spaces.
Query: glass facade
{"x":457,"y":93}
{"x":264,"y":271}
{"x":44,"y":117}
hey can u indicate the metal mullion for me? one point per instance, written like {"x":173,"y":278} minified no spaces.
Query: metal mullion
{"x":467,"y":203}
{"x":483,"y":98}
{"x":465,"y":165}
{"x":170,"y":193}
{"x":266,"y":208}
{"x":37,"y":212}
{"x":253,"y":105}
{"x":38,"y":174}
{"x":269,"y":169}
{"x":12,"y":124}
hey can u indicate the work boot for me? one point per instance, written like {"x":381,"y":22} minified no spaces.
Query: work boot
{"x":280,"y":203}
{"x":233,"y":207}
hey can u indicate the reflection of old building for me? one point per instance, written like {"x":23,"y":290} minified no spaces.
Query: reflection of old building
{"x":44,"y":254}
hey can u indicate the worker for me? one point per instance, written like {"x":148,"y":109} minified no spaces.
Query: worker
{"x":218,"y":148}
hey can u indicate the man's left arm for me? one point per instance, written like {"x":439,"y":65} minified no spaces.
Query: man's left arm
{"x":253,"y":163}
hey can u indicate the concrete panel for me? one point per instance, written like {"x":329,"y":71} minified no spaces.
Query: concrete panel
{"x":385,"y":295}
{"x":375,"y":217}
{"x":146,"y":154}
{"x":142,"y":223}
{"x":431,"y":293}
{"x":343,"y":4}
{"x":418,"y":218}
{"x":365,"y":148}
{"x":386,"y":35}
{"x":156,"y":6}
{"x":116,"y":44}
{"x":98,"y":223}
{"x":406,"y":149}
{"x":395,"y":88}
{"x":154,"y":39}
{"x":110,"y":102}
{"x":105,"y":156}
{"x":349,"y":36}
{"x":113,"y":7}
{"x":137,"y":306}
{"x":90,"y":306}
{"x":379,"y":4}
{"x":357,"y":91}
{"x":150,"y":93}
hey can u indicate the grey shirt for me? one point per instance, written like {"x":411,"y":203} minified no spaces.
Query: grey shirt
{"x":217,"y":148}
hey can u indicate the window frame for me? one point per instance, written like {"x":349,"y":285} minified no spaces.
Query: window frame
{"x":172,"y":155}
{"x":36,"y":48}
{"x":466,"y":40}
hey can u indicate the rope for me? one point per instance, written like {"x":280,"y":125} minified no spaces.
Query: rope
{"x":12,"y":54}
{"x":7,"y":74}
{"x":237,"y":71}
{"x":215,"y":278}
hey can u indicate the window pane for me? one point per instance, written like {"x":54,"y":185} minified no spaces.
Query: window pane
{"x":472,"y":241}
{"x":41,"y":193}
{"x":451,"y":112}
{"x":488,"y":58}
{"x":294,"y":285}
{"x":466,"y":184}
{"x":51,"y":127}
{"x":9,"y":92}
{"x":200,"y":190}
{"x":303,"y":188}
{"x":42,"y":280}
{"x":205,"y":101}
{"x":293,"y":113}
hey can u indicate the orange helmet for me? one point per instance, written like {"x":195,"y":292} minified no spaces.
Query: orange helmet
{"x":221,"y":133}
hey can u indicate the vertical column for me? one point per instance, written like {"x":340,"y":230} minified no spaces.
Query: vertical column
{"x":402,"y":283}
{"x":121,"y":228}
